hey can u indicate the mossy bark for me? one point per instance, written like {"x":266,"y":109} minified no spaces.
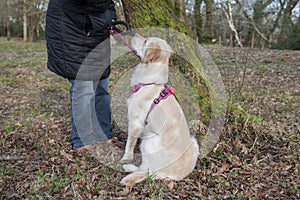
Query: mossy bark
{"x":207,"y":35}
{"x":156,"y":13}
{"x":198,"y":19}
{"x":170,"y":14}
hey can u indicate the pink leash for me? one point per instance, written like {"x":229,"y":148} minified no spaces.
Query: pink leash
{"x":112,"y":30}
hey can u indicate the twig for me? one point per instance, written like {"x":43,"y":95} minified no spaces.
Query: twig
{"x":255,"y":140}
{"x":12,"y":158}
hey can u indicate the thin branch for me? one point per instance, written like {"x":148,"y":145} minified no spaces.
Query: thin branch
{"x":229,"y":17}
{"x":252,"y":22}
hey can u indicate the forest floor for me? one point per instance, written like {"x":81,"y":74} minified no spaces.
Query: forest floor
{"x":257,"y":156}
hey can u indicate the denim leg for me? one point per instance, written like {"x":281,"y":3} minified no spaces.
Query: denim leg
{"x":98,"y":132}
{"x":90,"y":112}
{"x":102,"y":107}
{"x":81,"y":93}
{"x":75,"y":137}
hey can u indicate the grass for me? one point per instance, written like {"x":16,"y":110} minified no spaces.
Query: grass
{"x":16,"y":45}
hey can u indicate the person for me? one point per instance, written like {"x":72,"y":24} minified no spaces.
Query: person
{"x":78,"y":47}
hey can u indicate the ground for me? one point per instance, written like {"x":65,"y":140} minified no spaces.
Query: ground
{"x":257,"y":156}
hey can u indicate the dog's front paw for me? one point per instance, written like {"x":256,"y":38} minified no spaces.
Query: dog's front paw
{"x":130,"y":168}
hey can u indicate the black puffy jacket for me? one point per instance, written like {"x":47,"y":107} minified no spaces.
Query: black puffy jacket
{"x":73,"y":29}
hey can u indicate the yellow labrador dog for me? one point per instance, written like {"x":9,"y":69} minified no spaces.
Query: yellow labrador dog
{"x":168,"y":150}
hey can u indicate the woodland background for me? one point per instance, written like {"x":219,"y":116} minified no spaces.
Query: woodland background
{"x":254,"y":44}
{"x":252,"y":23}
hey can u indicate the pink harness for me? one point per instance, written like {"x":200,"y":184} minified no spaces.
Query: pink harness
{"x":164,"y":94}
{"x":137,"y":87}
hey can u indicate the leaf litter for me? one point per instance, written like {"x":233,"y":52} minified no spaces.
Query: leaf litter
{"x":257,"y":156}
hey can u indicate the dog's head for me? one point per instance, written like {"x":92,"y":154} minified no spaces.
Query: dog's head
{"x":152,"y":49}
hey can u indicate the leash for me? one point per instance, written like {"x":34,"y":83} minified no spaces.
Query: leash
{"x":115,"y":30}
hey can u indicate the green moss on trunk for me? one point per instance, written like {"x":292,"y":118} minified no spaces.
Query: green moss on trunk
{"x":155,"y":13}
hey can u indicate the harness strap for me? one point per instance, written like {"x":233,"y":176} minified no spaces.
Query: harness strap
{"x":137,"y":87}
{"x":164,"y":94}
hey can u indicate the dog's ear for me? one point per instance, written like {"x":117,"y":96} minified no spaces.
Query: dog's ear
{"x":152,"y":54}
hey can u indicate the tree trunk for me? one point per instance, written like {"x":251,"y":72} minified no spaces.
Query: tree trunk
{"x":156,"y":13}
{"x":166,"y":14}
{"x":4,"y":18}
{"x":198,"y":19}
{"x":33,"y":21}
{"x":231,"y":40}
{"x":8,"y":20}
{"x":8,"y":30}
{"x":208,"y":23}
{"x":32,"y":36}
{"x":251,"y":20}
{"x":179,"y":10}
{"x":287,"y":21}
{"x":252,"y":39}
{"x":25,"y":22}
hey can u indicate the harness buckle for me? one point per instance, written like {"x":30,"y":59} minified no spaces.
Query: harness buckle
{"x":164,"y":93}
{"x":156,"y":100}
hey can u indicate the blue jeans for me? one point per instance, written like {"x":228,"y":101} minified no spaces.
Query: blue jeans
{"x":90,"y":112}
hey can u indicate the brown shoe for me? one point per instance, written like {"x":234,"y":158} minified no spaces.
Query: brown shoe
{"x":116,"y":142}
{"x":83,"y":149}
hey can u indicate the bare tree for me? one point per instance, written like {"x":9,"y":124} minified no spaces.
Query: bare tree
{"x":251,"y":21}
{"x":208,"y":22}
{"x":286,"y":20}
{"x":5,"y":18}
{"x":33,"y":14}
{"x":228,"y":13}
{"x":25,"y":21}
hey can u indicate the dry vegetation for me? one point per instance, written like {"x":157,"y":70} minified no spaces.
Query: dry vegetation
{"x":257,"y":156}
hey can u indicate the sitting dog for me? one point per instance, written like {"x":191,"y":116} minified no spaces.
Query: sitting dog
{"x":168,"y":150}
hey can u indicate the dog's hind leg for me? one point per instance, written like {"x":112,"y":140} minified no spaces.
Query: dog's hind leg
{"x":133,"y":178}
{"x":136,"y":177}
{"x":130,"y":168}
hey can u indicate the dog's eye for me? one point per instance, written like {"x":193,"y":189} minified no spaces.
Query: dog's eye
{"x":145,"y":41}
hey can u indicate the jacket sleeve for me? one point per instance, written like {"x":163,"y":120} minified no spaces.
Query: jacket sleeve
{"x":113,"y":10}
